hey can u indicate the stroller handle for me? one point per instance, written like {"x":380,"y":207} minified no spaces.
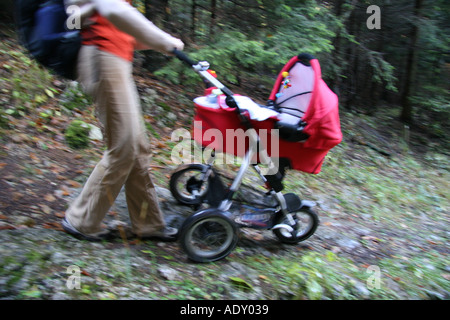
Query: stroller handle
{"x":183,"y":57}
{"x":201,"y":68}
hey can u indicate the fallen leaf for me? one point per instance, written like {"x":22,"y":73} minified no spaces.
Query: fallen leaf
{"x":85,"y":273}
{"x":53,"y":225}
{"x":16,"y":196}
{"x":2,"y":165}
{"x":113,"y":213}
{"x":27,"y":181}
{"x":56,"y":169}
{"x":46,"y":209}
{"x":7,"y":227}
{"x":241,"y":283}
{"x":74,"y":184}
{"x":160,"y":145}
{"x":34,"y":157}
{"x":336,"y":249}
{"x":153,"y":166}
{"x":65,"y":191}
{"x":60,"y":214}
{"x":371,"y":238}
{"x":49,"y":197}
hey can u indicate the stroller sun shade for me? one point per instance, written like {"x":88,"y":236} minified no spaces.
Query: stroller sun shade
{"x":299,"y":95}
{"x":293,"y":90}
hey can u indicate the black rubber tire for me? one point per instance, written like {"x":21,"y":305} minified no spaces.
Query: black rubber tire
{"x":285,"y":237}
{"x":185,"y":196}
{"x":208,"y":235}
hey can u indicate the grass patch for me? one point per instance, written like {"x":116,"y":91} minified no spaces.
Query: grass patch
{"x":24,"y":81}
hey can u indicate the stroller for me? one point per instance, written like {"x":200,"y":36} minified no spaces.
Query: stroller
{"x":295,"y":130}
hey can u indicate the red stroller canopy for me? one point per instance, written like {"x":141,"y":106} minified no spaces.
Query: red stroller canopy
{"x":318,"y":107}
{"x":321,"y":117}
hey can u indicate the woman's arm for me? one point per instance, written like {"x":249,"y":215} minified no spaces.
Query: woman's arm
{"x":129,"y":20}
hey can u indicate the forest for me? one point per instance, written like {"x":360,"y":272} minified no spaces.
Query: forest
{"x":374,"y":54}
{"x":382,"y":196}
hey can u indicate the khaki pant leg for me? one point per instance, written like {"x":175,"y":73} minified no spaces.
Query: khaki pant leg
{"x":142,"y":200}
{"x":109,"y":79}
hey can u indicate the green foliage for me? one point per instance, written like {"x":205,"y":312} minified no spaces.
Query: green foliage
{"x":324,"y":276}
{"x":235,"y":55}
{"x":73,"y":97}
{"x":26,"y":82}
{"x":77,"y":134}
{"x":232,"y":56}
{"x":243,"y":40}
{"x":433,"y":109}
{"x":412,"y":273}
{"x":383,"y":71}
{"x":241,"y":283}
{"x":431,"y":95}
{"x":309,"y":28}
{"x":4,"y":123}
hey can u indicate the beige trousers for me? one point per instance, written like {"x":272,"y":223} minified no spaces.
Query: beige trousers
{"x":108,"y":79}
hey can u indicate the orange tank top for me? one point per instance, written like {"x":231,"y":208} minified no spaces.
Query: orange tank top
{"x":107,"y":37}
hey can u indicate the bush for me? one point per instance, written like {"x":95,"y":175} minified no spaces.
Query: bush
{"x":77,"y":134}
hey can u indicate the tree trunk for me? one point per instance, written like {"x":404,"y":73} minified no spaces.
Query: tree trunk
{"x":213,"y":19}
{"x":335,"y":82}
{"x":157,"y":11}
{"x":193,"y":18}
{"x":406,"y":114}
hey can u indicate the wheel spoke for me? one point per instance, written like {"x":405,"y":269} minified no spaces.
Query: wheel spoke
{"x":210,"y":237}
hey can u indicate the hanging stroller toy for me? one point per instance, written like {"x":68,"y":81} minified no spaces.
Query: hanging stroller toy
{"x":296,"y":130}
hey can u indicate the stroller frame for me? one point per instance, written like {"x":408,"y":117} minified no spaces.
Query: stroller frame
{"x":211,"y":234}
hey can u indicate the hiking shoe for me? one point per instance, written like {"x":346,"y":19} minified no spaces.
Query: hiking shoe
{"x":166,"y":234}
{"x":77,"y":234}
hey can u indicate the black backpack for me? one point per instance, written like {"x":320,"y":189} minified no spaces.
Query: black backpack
{"x":42,"y":29}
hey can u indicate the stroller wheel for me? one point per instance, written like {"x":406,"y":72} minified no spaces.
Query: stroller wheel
{"x":187,"y":186}
{"x":306,"y":222}
{"x":208,"y":235}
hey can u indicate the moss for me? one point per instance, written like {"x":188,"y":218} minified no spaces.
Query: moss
{"x":77,"y":134}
